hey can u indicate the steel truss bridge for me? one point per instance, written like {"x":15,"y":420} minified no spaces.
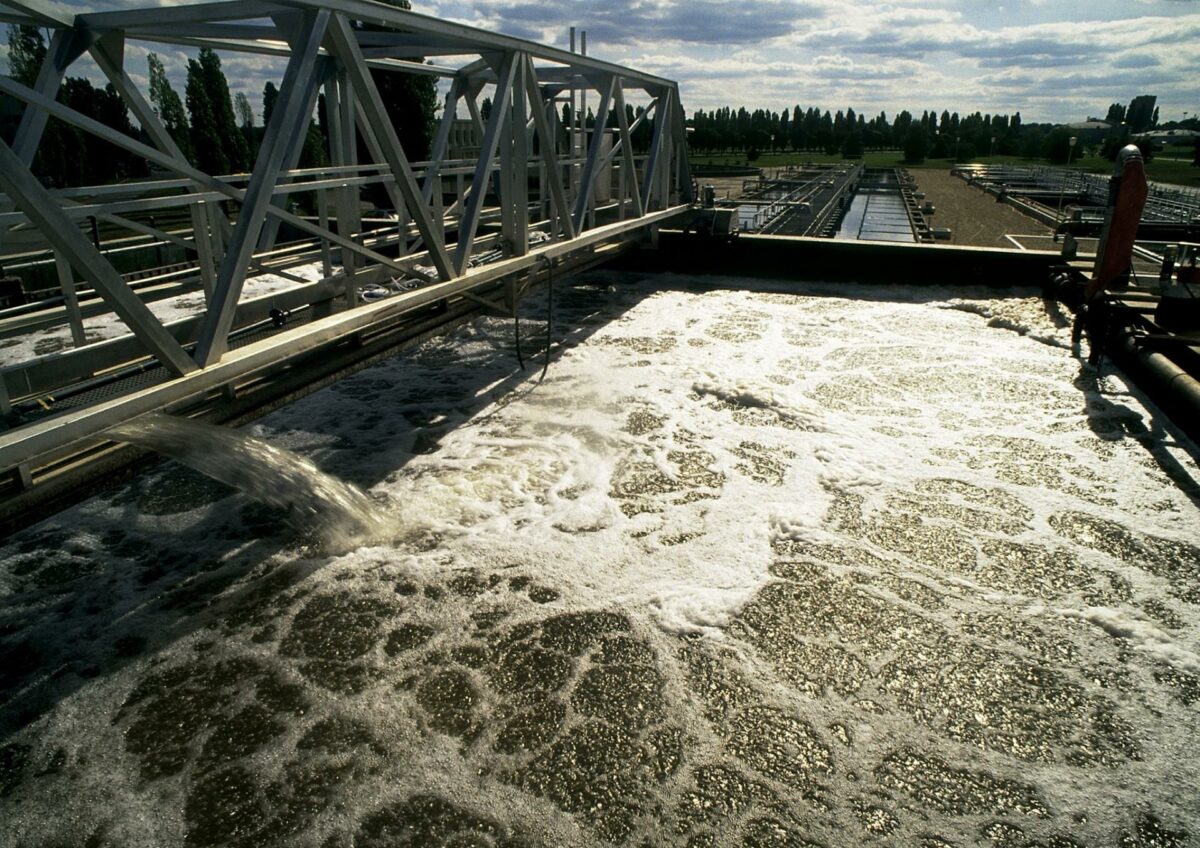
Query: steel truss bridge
{"x":464,"y":234}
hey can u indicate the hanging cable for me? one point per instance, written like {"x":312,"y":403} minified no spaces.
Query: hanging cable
{"x":549,"y":312}
{"x":517,"y":333}
{"x":549,"y":321}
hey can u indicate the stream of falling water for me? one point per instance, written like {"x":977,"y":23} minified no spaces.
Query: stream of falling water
{"x":754,"y":566}
{"x":311,"y":500}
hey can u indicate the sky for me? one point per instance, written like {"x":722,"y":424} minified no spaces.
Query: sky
{"x":1051,"y":60}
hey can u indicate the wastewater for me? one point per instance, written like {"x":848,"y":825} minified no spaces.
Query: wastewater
{"x":311,"y":501}
{"x":754,"y":565}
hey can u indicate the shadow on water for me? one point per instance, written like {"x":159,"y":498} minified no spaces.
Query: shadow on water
{"x":1113,"y":421}
{"x":174,"y":552}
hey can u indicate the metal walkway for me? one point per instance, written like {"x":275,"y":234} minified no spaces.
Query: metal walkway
{"x":546,"y":188}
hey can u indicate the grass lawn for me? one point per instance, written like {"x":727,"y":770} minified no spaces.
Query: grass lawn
{"x":1159,"y":169}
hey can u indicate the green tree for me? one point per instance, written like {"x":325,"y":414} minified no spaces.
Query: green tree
{"x":243,"y":110}
{"x":211,"y":111}
{"x":95,"y":162}
{"x":313,"y":154}
{"x":411,"y":103}
{"x":1031,"y":141}
{"x":1057,"y":146}
{"x":26,"y":52}
{"x":270,"y":95}
{"x":916,"y":143}
{"x":206,"y":139}
{"x":942,"y":146}
{"x":852,"y":147}
{"x":245,"y":119}
{"x":410,"y":100}
{"x":168,"y":105}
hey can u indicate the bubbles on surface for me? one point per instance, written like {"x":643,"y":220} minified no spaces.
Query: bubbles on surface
{"x":803,"y":568}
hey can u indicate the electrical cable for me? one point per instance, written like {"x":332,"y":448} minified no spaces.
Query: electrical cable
{"x":517,"y":334}
{"x":549,"y":321}
{"x":549,"y":312}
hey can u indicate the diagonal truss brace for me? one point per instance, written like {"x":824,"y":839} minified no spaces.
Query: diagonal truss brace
{"x":42,"y":209}
{"x":287,"y":119}
{"x":591,"y":166}
{"x":346,"y":47}
{"x":547,"y":142}
{"x":626,"y":145}
{"x":180,"y":166}
{"x":483,"y":168}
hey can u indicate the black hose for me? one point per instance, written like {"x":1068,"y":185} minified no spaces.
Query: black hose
{"x":549,"y":321}
{"x":549,"y":312}
{"x":517,"y":334}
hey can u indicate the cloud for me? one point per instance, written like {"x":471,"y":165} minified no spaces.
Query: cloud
{"x":1135,"y":61}
{"x":616,"y":22}
{"x":1032,"y":56}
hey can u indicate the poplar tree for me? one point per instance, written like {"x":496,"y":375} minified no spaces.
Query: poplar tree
{"x":270,"y":95}
{"x":245,"y":118}
{"x":168,"y":106}
{"x":206,"y":140}
{"x":218,"y":143}
{"x":245,"y":114}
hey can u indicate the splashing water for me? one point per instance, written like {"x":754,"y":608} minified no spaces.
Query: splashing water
{"x":342,"y":515}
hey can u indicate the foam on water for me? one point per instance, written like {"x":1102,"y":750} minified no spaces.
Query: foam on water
{"x":754,"y":565}
{"x":1139,"y":630}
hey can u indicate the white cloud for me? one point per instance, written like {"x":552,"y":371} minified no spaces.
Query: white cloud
{"x":1032,"y":56}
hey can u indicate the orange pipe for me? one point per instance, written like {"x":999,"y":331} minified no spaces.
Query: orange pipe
{"x":1114,"y":258}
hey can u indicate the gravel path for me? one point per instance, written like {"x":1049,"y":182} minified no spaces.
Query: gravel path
{"x":975,"y":218}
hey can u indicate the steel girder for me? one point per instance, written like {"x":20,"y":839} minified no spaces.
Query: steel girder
{"x":326,"y":49}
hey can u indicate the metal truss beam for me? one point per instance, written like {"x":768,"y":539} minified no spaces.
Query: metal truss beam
{"x":65,"y":47}
{"x":626,"y":145}
{"x":40,"y":13}
{"x":548,"y":143}
{"x":595,"y":153}
{"x":468,"y":219}
{"x":287,"y":120}
{"x":37,"y":203}
{"x":178,"y":165}
{"x":43,"y":439}
{"x":487,"y":155}
{"x":345,"y":45}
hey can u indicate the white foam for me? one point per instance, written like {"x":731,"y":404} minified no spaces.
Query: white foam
{"x":521,"y":481}
{"x":1142,"y":633}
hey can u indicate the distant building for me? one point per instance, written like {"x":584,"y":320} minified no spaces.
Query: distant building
{"x":1177,"y":136}
{"x":1140,"y":114}
{"x":1090,"y":132}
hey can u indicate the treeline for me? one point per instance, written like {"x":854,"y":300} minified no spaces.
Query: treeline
{"x":932,"y":136}
{"x":217,"y":132}
{"x":850,"y":132}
